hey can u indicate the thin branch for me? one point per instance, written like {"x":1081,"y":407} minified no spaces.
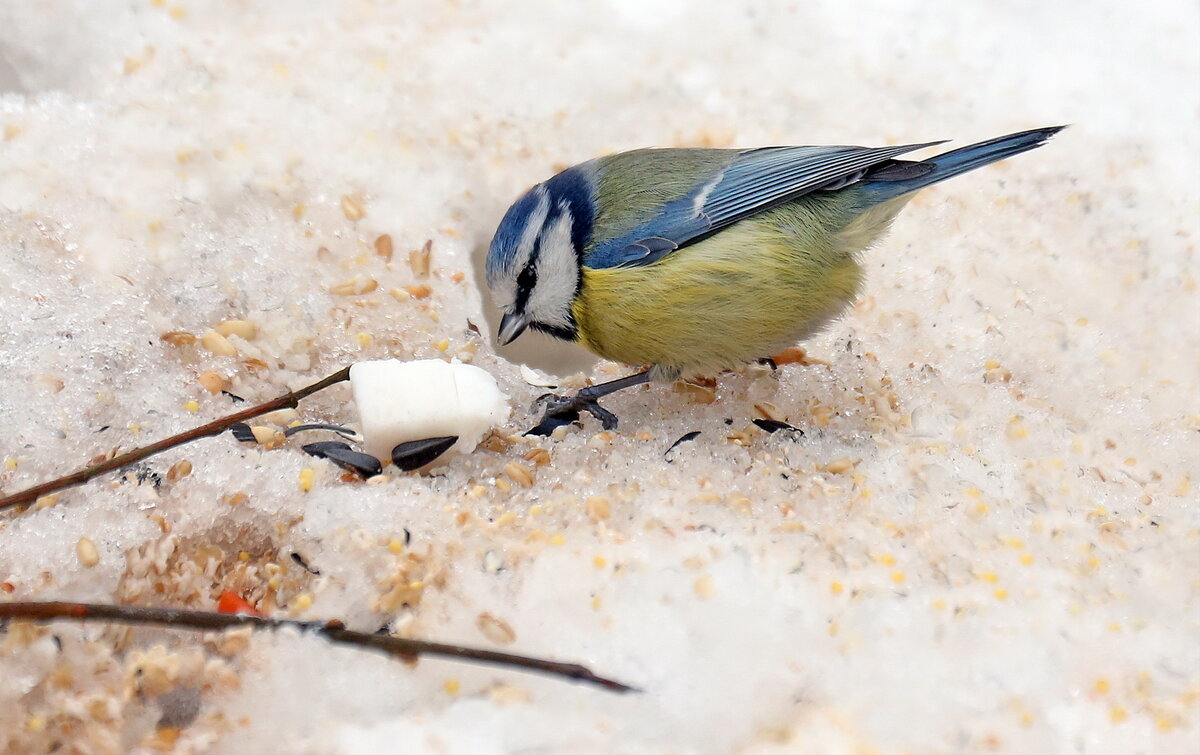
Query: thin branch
{"x":334,"y":630}
{"x":287,"y":401}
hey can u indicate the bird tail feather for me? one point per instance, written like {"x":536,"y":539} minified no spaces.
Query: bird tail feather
{"x":902,"y":177}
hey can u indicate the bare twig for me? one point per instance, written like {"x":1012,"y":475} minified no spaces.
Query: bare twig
{"x":334,"y":630}
{"x":287,"y":401}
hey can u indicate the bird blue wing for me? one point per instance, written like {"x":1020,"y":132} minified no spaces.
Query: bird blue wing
{"x":755,"y":180}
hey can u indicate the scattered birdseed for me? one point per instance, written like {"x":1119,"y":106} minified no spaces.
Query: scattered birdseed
{"x":696,"y":394}
{"x":600,"y":440}
{"x":359,"y":284}
{"x":519,"y":474}
{"x":417,"y":453}
{"x":352,"y":208}
{"x":85,"y":551}
{"x":419,"y":291}
{"x":1016,"y":429}
{"x":218,"y":344}
{"x":795,"y":355}
{"x":54,"y":384}
{"x":192,"y":406}
{"x":539,"y":456}
{"x":531,"y":376}
{"x":839,"y":466}
{"x":767,"y":411}
{"x":994,"y":373}
{"x":686,"y":437}
{"x":179,"y":470}
{"x":178,"y":338}
{"x":598,"y":508}
{"x":704,"y":587}
{"x":496,"y":630}
{"x":419,"y":259}
{"x":492,"y":562}
{"x":240,"y":328}
{"x":345,"y":457}
{"x":384,"y":247}
{"x":306,"y":479}
{"x":451,"y":686}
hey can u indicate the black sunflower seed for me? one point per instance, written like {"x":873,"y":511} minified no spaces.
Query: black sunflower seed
{"x":345,"y":457}
{"x":242,"y":432}
{"x":417,"y":453}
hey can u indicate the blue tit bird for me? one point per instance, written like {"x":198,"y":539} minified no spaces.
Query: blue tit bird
{"x":692,"y":261}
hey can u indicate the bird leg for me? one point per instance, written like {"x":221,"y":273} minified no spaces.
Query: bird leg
{"x":563,"y":410}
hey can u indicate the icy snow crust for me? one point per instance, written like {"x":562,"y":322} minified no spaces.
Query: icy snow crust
{"x":988,"y":538}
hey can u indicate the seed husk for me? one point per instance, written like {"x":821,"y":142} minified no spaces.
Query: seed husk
{"x":418,"y":259}
{"x":384,"y":247}
{"x":496,"y":630}
{"x":354,"y":286}
{"x":352,"y":208}
{"x":519,"y":474}
{"x":686,"y":437}
{"x":345,"y":432}
{"x":178,"y":338}
{"x":774,"y":425}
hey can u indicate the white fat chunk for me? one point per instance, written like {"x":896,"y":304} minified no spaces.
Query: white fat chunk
{"x":400,"y":401}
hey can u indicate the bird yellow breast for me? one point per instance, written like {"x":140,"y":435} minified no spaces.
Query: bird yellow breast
{"x":745,"y":293}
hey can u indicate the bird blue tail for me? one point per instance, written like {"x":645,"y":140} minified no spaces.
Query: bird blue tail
{"x":898,"y":179}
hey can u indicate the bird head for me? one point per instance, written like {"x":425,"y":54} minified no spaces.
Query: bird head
{"x":533,"y":263}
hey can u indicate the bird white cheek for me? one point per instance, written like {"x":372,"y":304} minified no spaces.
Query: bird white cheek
{"x":557,"y":275}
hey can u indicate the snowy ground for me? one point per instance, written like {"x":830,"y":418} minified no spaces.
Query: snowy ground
{"x":988,"y":539}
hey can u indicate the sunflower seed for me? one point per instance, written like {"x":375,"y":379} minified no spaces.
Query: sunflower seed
{"x":417,"y":453}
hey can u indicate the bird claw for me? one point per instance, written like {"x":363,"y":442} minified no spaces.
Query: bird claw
{"x":564,"y":410}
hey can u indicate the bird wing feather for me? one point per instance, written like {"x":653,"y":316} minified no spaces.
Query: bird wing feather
{"x":754,"y":181}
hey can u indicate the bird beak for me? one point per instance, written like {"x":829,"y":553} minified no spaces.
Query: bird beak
{"x":512,"y":325}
